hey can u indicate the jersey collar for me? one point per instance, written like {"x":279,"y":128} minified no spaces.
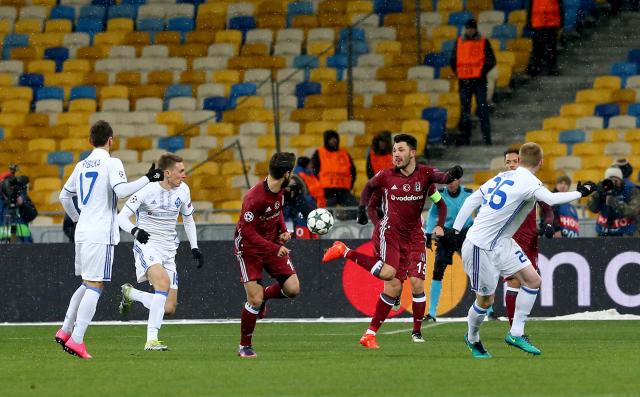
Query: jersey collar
{"x":100,"y":152}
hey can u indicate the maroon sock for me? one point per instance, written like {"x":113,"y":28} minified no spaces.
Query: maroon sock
{"x":368,"y":263}
{"x":510,"y":299}
{"x":418,"y":306}
{"x":273,"y":291}
{"x":383,"y":307}
{"x":247,"y":324}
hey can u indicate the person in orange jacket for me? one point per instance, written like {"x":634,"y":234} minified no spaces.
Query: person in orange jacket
{"x":379,"y":156}
{"x":544,"y":19}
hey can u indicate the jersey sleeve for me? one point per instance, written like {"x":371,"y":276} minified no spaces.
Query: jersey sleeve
{"x":70,"y":185}
{"x":187,"y":208}
{"x":372,"y":185}
{"x":117,"y":175}
{"x":134,"y":202}
{"x":247,"y":227}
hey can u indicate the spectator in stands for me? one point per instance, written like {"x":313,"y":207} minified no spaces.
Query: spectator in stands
{"x":336,"y":172}
{"x":305,"y":172}
{"x":379,"y":156}
{"x":544,"y":19}
{"x":616,"y":204}
{"x":627,"y":171}
{"x":472,"y":58}
{"x":16,"y":208}
{"x":565,"y":217}
{"x":297,"y":205}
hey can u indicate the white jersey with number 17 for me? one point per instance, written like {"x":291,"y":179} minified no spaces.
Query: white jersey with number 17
{"x":93,"y":180}
{"x":507,"y":199}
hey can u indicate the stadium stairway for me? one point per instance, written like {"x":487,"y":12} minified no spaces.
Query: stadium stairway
{"x":541,"y":97}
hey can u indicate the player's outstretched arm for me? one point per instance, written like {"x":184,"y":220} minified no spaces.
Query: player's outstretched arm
{"x":543,"y":194}
{"x":124,"y":189}
{"x":470,"y":204}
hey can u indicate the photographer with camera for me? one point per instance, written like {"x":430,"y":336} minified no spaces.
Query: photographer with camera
{"x":16,"y":208}
{"x":617,"y":205}
{"x":298,"y":203}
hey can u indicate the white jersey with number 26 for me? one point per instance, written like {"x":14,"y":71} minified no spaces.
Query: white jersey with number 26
{"x":93,"y":180}
{"x":507,"y":198}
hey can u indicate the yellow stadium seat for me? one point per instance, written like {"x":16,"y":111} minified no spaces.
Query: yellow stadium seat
{"x":92,"y":53}
{"x":7,"y":80}
{"x":74,"y":145}
{"x":389,"y":47}
{"x":271,"y":22}
{"x":444,"y":32}
{"x":167,"y":37}
{"x":388,"y":100}
{"x":160,"y":77}
{"x":542,"y":136}
{"x":577,"y":109}
{"x":594,"y":96}
{"x":323,"y":74}
{"x":624,"y":96}
{"x":200,"y":37}
{"x":419,"y":99}
{"x":28,"y":26}
{"x":392,"y":73}
{"x":82,"y":105}
{"x":139,"y":143}
{"x":110,"y":38}
{"x":402,"y":87}
{"x":227,"y":76}
{"x":120,"y":25}
{"x":43,"y":144}
{"x":334,"y":20}
{"x":77,"y":65}
{"x":450,"y":5}
{"x":229,"y":36}
{"x":114,"y":91}
{"x":359,"y":7}
{"x":554,"y":149}
{"x":305,"y":141}
{"x":170,"y":117}
{"x":587,"y":149}
{"x":128,"y":78}
{"x":193,"y":77}
{"x":137,"y":38}
{"x":65,"y":79}
{"x":607,"y":82}
{"x":58,"y":26}
{"x":25,"y":53}
{"x":253,"y":101}
{"x":209,"y":23}
{"x":319,"y":127}
{"x":397,"y":19}
{"x":99,"y":79}
{"x":250,"y":49}
{"x":50,"y":184}
{"x":320,"y":48}
{"x":16,"y":106}
{"x":559,"y":123}
{"x":41,"y":66}
{"x":220,"y":129}
{"x":416,"y":127}
{"x":146,"y":91}
{"x":480,"y":177}
{"x":73,"y":118}
{"x":587,"y":175}
{"x":266,"y":141}
{"x":336,"y":114}
{"x":232,"y":168}
{"x":632,"y":135}
{"x":604,"y":135}
{"x":5,"y":26}
{"x":16,"y":93}
{"x":505,"y":72}
{"x":207,"y":169}
{"x":218,"y":8}
{"x":78,"y":131}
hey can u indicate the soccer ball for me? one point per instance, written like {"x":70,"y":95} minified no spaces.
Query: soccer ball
{"x":320,"y":221}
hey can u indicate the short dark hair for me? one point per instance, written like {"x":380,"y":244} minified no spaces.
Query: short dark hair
{"x":303,"y":161}
{"x":564,"y":179}
{"x":281,"y":163}
{"x":410,"y":140}
{"x":100,"y":133}
{"x":168,"y":160}
{"x":512,"y":150}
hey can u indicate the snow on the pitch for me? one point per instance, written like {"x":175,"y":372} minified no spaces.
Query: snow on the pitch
{"x":610,"y":314}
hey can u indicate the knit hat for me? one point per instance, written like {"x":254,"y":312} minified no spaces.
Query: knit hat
{"x":624,"y":166}
{"x":613,"y":172}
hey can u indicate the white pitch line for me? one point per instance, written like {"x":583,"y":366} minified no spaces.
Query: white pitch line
{"x":401,"y":331}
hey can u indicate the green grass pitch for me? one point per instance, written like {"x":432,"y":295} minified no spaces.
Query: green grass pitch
{"x":581,"y":358}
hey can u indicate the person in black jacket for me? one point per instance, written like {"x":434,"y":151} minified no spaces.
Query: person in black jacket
{"x":472,"y":58}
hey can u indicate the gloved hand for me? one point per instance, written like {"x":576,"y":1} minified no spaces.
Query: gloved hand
{"x":363,"y":219}
{"x":140,"y":235}
{"x":155,"y":174}
{"x":546,"y":230}
{"x":455,"y":172}
{"x":197,"y":257}
{"x":429,"y":239}
{"x":587,"y":188}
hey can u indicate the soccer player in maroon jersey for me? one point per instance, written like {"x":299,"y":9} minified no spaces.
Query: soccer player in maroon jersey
{"x":403,"y":189}
{"x":259,"y":245}
{"x":526,"y":236}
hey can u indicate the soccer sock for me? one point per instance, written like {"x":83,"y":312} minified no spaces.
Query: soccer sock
{"x":474,"y":321}
{"x":247,"y":323}
{"x":156,"y":313}
{"x":434,"y":297}
{"x":383,"y":307}
{"x":369,"y":263}
{"x":273,"y":291}
{"x":510,"y":301}
{"x":86,"y":310}
{"x":143,"y":297}
{"x":418,"y":306}
{"x":524,"y":304}
{"x":72,"y":311}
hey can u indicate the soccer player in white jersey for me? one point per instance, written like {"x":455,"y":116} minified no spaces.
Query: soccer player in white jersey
{"x":157,"y":207}
{"x":98,"y":181}
{"x":489,"y":251}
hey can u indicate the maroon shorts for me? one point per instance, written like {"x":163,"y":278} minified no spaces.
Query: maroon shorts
{"x":417,"y":263}
{"x":407,"y":257}
{"x":252,"y":264}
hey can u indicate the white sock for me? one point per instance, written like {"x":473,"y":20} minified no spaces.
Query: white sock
{"x":86,"y":310}
{"x":474,"y":321}
{"x":143,"y":297}
{"x":156,"y":313}
{"x":524,"y":303}
{"x":72,"y":311}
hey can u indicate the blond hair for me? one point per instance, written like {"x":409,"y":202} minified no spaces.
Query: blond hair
{"x":530,"y":154}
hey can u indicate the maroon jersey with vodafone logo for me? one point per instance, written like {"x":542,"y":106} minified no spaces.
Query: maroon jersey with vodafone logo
{"x":261,"y":221}
{"x":403,"y":196}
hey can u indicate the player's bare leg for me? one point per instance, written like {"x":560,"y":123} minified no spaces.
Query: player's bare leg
{"x":392,"y":290}
{"x":530,"y":286}
{"x":513,"y":288}
{"x":286,"y":287}
{"x":159,"y":278}
{"x":477,"y":313}
{"x":371,"y":264}
{"x":86,"y":309}
{"x":418,"y":306}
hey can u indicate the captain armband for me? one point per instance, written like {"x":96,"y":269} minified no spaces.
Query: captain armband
{"x":435,"y":197}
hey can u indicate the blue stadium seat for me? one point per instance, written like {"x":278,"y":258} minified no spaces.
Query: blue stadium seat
{"x":508,"y":5}
{"x":306,"y":62}
{"x":306,"y":88}
{"x":103,"y":2}
{"x":84,"y":154}
{"x":357,"y":47}
{"x":459,"y":18}
{"x":241,"y":89}
{"x":634,"y":57}
{"x":383,"y":7}
{"x":93,"y":12}
{"x":606,"y":111}
{"x":33,"y":80}
{"x":151,"y":25}
{"x":60,"y":158}
{"x":49,"y":93}
{"x":437,"y":118}
{"x":339,"y":62}
{"x":217,"y":104}
{"x":83,"y":92}
{"x":634,"y":110}
{"x":90,"y":25}
{"x":171,"y":143}
{"x":624,"y":70}
{"x":136,"y":2}
{"x":504,"y":33}
{"x":1,"y":133}
{"x":243,"y":24}
{"x":123,"y":11}
{"x":447,"y":47}
{"x":572,"y":136}
{"x":58,"y":55}
{"x":181,"y":24}
{"x":436,"y":60}
{"x":357,"y":34}
{"x":16,"y":40}
{"x":63,"y":12}
{"x":298,"y":8}
{"x":177,"y":90}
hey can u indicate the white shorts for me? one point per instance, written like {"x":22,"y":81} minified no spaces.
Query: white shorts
{"x":485,"y":267}
{"x":94,"y":261}
{"x":146,"y":255}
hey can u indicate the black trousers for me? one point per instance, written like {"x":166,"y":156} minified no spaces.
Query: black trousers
{"x":468,"y":88}
{"x":544,"y":54}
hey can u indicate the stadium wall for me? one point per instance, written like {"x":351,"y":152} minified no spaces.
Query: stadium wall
{"x":578,"y":275}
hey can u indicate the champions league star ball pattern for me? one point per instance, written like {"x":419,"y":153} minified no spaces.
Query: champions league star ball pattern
{"x":320,"y":221}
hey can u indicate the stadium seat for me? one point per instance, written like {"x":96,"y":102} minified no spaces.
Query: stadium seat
{"x":437,"y":118}
{"x":571,"y":137}
{"x":604,"y":135}
{"x":623,"y":122}
{"x":606,"y":111}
